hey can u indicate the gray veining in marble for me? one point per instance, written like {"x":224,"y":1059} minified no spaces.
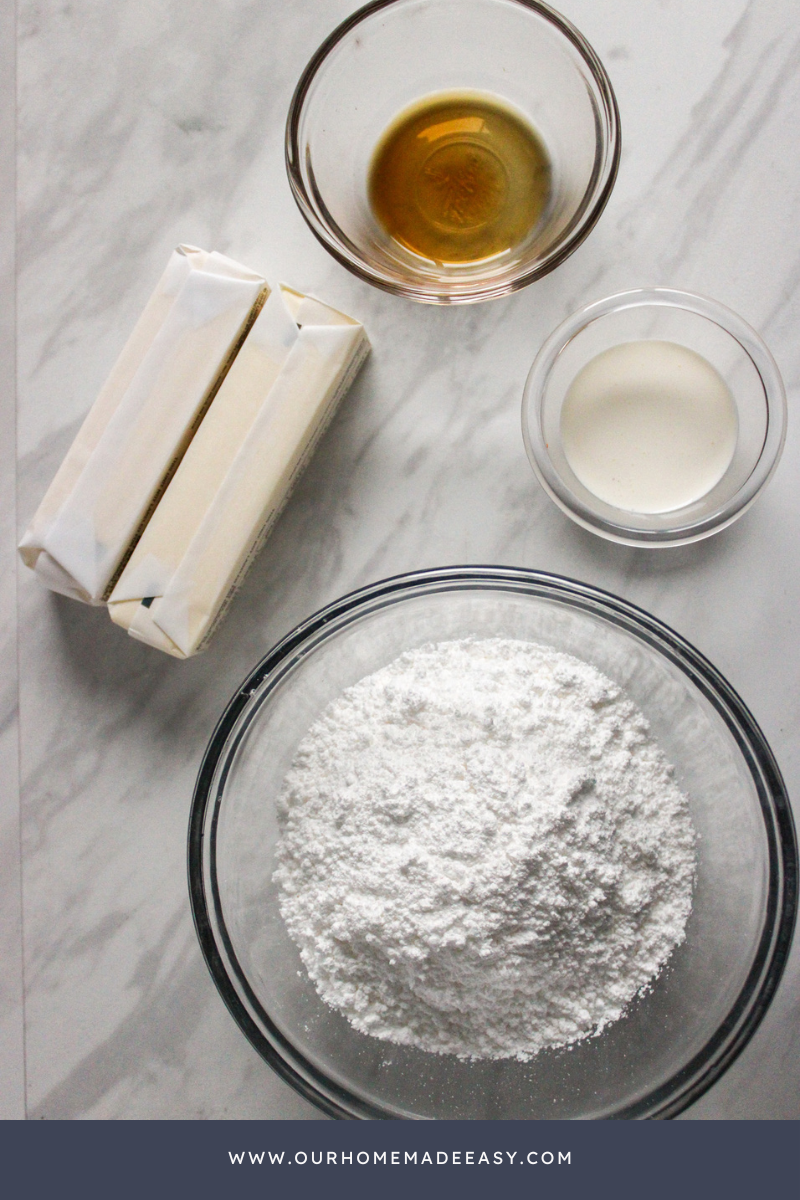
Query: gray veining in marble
{"x":145,"y":124}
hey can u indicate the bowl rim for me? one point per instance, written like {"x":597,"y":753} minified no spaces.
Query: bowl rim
{"x":598,"y":191}
{"x":617,"y":530}
{"x":745,"y":1015}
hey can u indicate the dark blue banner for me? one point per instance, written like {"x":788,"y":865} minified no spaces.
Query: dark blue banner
{"x":647,"y":1160}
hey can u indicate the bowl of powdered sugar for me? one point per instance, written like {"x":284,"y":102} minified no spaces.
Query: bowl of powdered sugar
{"x":485,"y":843}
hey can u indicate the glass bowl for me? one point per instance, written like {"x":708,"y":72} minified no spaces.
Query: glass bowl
{"x":711,"y":330}
{"x":672,"y":1043}
{"x":391,"y":54}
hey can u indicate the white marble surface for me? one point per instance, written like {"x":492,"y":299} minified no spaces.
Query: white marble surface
{"x":12,"y":1085}
{"x":146,"y":123}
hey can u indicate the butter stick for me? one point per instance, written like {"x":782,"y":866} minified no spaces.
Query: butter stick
{"x":278,"y":397}
{"x":141,"y":423}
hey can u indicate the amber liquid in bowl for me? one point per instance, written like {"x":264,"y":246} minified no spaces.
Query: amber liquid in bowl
{"x":459,"y":177}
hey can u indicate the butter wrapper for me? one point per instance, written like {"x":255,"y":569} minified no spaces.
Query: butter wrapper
{"x":298,"y":361}
{"x":141,"y":423}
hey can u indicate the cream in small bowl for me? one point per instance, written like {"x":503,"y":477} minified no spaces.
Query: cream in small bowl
{"x":654,"y":417}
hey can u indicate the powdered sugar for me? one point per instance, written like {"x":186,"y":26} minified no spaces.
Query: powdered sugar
{"x":482,"y":851}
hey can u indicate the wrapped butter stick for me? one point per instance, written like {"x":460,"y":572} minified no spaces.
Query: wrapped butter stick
{"x":296,"y":364}
{"x":141,"y":423}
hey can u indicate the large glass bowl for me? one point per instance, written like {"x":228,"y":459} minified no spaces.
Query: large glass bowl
{"x":672,"y":1043}
{"x":393,"y":53}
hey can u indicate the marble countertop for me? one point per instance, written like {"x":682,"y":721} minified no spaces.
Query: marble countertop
{"x":141,"y":125}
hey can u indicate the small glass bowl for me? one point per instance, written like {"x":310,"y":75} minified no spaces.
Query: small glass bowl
{"x":393,"y":53}
{"x":712,"y":331}
{"x":675,"y":1040}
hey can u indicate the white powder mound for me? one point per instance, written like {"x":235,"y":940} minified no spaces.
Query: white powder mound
{"x":483,"y":852}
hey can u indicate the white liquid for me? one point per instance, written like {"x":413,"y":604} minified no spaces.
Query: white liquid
{"x":649,"y":426}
